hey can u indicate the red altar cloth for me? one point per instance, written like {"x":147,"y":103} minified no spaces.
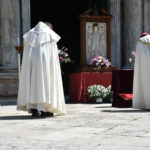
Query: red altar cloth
{"x":79,"y":83}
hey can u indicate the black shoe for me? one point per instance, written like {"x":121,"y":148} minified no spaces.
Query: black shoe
{"x":46,"y":114}
{"x":42,"y":114}
{"x":49,"y":114}
{"x":35,"y":113}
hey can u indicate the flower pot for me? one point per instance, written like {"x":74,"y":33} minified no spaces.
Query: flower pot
{"x":99,"y":100}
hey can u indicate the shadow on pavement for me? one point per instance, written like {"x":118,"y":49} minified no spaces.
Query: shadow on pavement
{"x":103,"y":107}
{"x":23,"y":117}
{"x":127,"y":111}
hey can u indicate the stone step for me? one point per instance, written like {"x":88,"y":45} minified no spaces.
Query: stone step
{"x":8,"y":75}
{"x":8,"y":69}
{"x":8,"y":101}
{"x":8,"y":84}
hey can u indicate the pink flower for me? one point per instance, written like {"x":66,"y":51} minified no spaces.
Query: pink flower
{"x":133,"y":53}
{"x":92,"y":60}
{"x":99,"y":61}
{"x":106,"y":62}
{"x":61,"y":59}
{"x":143,"y":34}
{"x":65,"y":54}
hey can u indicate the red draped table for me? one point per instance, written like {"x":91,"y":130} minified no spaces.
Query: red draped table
{"x":79,"y":83}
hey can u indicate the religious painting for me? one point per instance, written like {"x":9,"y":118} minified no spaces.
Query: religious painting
{"x":94,"y":36}
{"x":96,"y":40}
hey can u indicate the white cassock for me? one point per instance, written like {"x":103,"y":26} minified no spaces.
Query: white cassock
{"x":141,"y":85}
{"x":40,"y":84}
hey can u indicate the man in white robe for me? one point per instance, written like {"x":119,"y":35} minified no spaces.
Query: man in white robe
{"x":141,"y":85}
{"x":40,"y":83}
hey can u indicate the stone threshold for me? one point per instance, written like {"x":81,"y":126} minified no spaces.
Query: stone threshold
{"x":8,"y":75}
{"x":8,"y":84}
{"x":8,"y":69}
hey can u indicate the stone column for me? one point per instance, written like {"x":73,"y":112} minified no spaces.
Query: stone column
{"x":26,"y":19}
{"x":14,"y":21}
{"x":9,"y":27}
{"x":114,"y":8}
{"x":132,"y":24}
{"x":146,"y":15}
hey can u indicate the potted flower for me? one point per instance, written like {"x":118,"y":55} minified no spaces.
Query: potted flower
{"x":64,"y":57}
{"x":97,"y":92}
{"x":132,"y":58}
{"x":98,"y":62}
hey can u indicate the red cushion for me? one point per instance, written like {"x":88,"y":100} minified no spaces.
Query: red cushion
{"x":126,"y":96}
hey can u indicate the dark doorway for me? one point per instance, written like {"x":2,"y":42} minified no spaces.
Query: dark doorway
{"x":64,"y":17}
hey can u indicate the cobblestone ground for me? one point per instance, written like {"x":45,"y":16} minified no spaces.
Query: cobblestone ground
{"x":85,"y":127}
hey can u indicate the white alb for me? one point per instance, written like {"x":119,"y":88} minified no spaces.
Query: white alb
{"x":40,"y":83}
{"x":141,"y":85}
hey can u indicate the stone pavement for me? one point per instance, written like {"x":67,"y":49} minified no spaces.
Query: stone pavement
{"x":85,"y":127}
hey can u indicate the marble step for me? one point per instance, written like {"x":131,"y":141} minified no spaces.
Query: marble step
{"x":8,"y":84}
{"x":8,"y":69}
{"x":8,"y":75}
{"x":8,"y":101}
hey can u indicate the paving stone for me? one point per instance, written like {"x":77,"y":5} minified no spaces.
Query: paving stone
{"x":85,"y":127}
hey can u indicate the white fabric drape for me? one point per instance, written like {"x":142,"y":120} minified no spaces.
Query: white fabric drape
{"x":40,"y":85}
{"x":141,"y":85}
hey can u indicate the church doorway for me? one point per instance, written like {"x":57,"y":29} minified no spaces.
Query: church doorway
{"x":64,"y":17}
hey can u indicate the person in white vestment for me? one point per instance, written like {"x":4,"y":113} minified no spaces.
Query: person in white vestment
{"x":40,"y":84}
{"x":141,"y":84}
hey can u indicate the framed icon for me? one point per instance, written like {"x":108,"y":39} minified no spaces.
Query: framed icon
{"x":94,"y":37}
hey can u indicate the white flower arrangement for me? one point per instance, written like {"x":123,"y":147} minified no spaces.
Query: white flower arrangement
{"x":99,"y":91}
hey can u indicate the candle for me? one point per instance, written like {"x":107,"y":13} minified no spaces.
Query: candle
{"x":18,"y":40}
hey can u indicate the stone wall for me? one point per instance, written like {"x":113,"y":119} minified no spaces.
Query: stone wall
{"x":146,"y":14}
{"x":14,"y":22}
{"x":130,"y":19}
{"x":9,"y":20}
{"x":115,"y":7}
